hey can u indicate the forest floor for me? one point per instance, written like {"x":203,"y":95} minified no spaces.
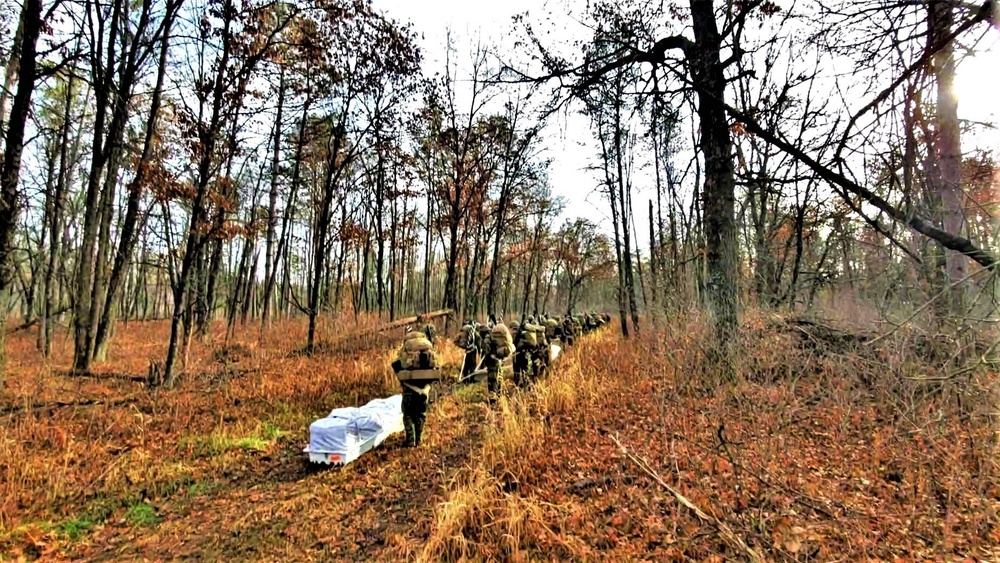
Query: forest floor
{"x":811,"y":451}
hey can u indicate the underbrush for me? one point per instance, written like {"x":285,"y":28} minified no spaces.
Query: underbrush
{"x":99,"y":449}
{"x":821,"y":443}
{"x":814,"y":441}
{"x":490,"y":511}
{"x":225,"y":440}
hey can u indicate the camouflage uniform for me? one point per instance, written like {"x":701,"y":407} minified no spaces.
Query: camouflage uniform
{"x":567,"y":331}
{"x":414,"y":412}
{"x":522,"y":356}
{"x":494,"y":369}
{"x":530,"y":360}
{"x":540,"y":357}
{"x":414,"y":405}
{"x":471,"y":361}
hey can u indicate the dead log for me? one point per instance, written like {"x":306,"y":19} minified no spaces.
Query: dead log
{"x":408,"y":320}
{"x":390,"y":326}
{"x":33,"y":322}
{"x":62,"y":404}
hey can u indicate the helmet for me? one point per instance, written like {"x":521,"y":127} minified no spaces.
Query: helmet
{"x":531,"y":319}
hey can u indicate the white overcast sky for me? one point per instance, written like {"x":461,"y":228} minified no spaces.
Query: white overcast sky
{"x":570,"y":143}
{"x":568,"y":139}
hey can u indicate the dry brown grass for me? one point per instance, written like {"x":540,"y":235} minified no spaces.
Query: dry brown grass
{"x":60,"y":462}
{"x":815,"y":450}
{"x":486,"y":514}
{"x":820,"y":448}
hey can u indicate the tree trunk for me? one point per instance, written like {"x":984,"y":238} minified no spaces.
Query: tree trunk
{"x":98,"y":301}
{"x":207,"y":138}
{"x":83,"y":319}
{"x":654,"y":281}
{"x":31,"y":22}
{"x":55,"y":226}
{"x":946,"y":176}
{"x":269,"y":281}
{"x":718,"y":190}
{"x":450,"y":300}
{"x":133,"y":223}
{"x":270,"y":253}
{"x":335,"y":166}
{"x":428,"y":247}
{"x":11,"y":71}
{"x":243,"y":276}
{"x":393,"y":241}
{"x":380,"y":196}
{"x":230,"y":195}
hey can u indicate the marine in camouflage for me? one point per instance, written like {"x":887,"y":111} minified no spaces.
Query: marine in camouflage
{"x":415,"y":395}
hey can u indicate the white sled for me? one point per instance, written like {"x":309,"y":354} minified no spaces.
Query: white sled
{"x":348,"y":433}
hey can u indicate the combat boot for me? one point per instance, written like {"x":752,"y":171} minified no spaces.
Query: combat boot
{"x":411,"y":432}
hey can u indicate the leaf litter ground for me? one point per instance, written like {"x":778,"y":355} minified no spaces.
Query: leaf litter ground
{"x":812,"y":468}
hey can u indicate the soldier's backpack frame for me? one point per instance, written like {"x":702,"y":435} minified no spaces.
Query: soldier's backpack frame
{"x":419,"y":376}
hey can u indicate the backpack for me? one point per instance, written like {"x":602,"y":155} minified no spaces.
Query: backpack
{"x":503,"y":342}
{"x":534,"y":335}
{"x":417,"y":352}
{"x":466,"y":338}
{"x":541,"y":335}
{"x":529,"y":337}
{"x":550,"y":328}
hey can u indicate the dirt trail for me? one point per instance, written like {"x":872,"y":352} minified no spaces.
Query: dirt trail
{"x":278,"y":506}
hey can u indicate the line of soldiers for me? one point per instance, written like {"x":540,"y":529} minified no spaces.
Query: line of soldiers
{"x":532,"y":338}
{"x":527,"y":344}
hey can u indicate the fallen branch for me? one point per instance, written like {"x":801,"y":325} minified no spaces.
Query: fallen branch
{"x":798,"y":496}
{"x":34,"y":321}
{"x":725,"y":532}
{"x":105,"y":375}
{"x":395,"y":324}
{"x":61,"y":404}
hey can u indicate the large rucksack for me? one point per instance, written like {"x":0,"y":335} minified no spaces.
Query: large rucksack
{"x":417,"y":352}
{"x":534,"y":335}
{"x":466,"y":338}
{"x":503,"y":342}
{"x":528,"y":336}
{"x":550,"y":328}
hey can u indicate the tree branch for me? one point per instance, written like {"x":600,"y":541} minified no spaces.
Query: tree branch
{"x":982,"y":14}
{"x":915,"y":222}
